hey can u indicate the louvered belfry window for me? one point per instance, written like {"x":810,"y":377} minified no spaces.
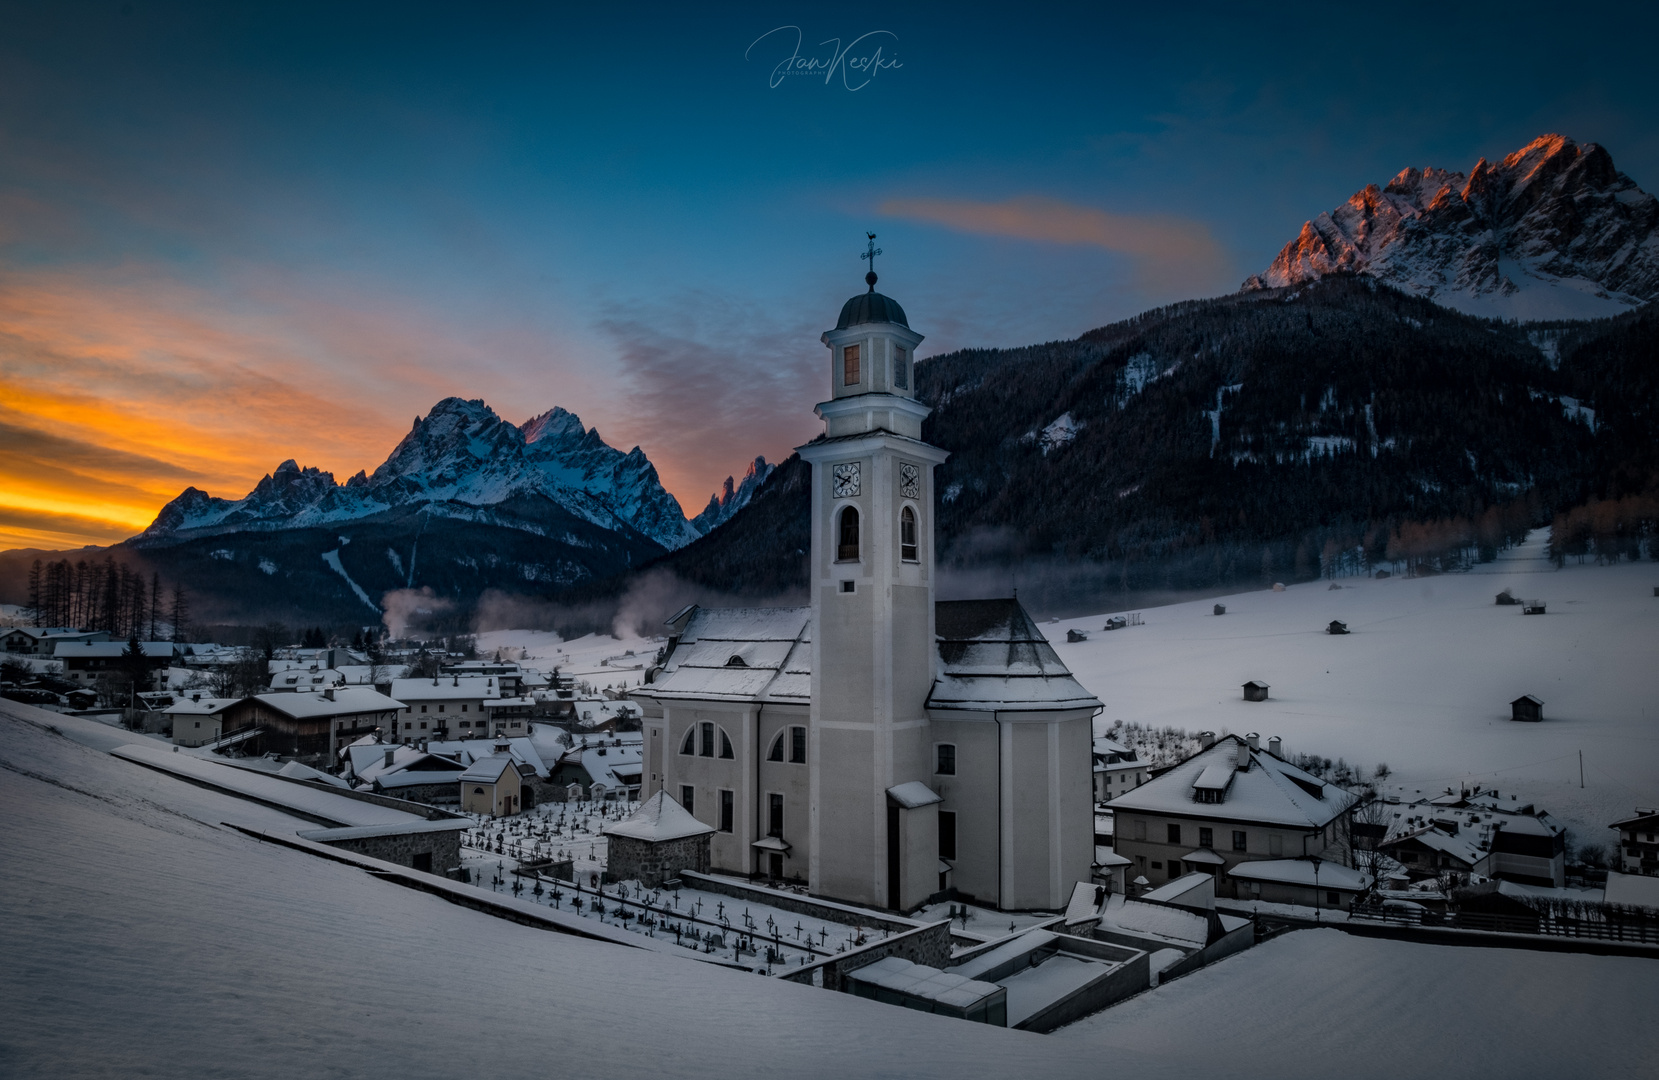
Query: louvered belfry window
{"x":849,"y":366}
{"x":847,"y":549}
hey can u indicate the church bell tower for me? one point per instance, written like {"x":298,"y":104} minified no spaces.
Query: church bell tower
{"x":874,"y":821}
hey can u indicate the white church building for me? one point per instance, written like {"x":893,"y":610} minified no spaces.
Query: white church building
{"x":880,"y":745}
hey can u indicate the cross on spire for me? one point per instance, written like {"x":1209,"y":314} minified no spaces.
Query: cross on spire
{"x":870,"y":253}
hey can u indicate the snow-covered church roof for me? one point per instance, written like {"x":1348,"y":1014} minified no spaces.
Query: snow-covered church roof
{"x":991,"y":657}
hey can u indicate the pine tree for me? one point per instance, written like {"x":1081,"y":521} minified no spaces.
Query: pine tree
{"x":181,"y":612}
{"x":35,"y":592}
{"x":155,"y":602}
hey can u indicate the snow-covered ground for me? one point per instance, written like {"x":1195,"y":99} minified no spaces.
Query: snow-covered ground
{"x":597,"y":659}
{"x":1322,"y":1003}
{"x":1423,"y":680}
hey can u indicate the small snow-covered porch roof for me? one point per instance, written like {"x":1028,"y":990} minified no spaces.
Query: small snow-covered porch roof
{"x":1203,"y":857}
{"x":1327,"y":875}
{"x":913,"y":794}
{"x":658,"y":818}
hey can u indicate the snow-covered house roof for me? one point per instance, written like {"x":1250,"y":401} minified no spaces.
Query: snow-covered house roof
{"x":447,"y":688}
{"x":345,"y":701}
{"x":202,"y":706}
{"x":1259,"y":786}
{"x":658,"y":818}
{"x":1465,"y":832}
{"x":615,"y":766}
{"x":488,"y":770}
{"x":1634,"y":890}
{"x":1111,"y":752}
{"x":913,"y":794}
{"x":409,"y":766}
{"x":1329,"y":875}
{"x":993,"y":658}
{"x":522,"y":749}
{"x":306,"y":678}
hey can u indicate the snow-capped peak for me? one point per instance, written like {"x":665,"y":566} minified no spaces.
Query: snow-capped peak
{"x":733,"y":496}
{"x":460,"y":452}
{"x":1551,"y":231}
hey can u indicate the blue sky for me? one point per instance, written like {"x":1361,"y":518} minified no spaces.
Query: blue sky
{"x":231,"y":234}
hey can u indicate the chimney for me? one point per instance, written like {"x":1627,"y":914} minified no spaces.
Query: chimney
{"x":329,"y":693}
{"x":197,"y":696}
{"x":457,"y":681}
{"x":390,"y":754}
{"x":1254,"y":740}
{"x":1273,"y":745}
{"x":1206,"y":739}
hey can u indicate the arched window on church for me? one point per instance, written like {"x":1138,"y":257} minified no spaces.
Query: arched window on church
{"x":907,"y":535}
{"x":689,"y":746}
{"x":776,"y":753}
{"x":707,"y":730}
{"x":846,"y":550}
{"x":725,"y":745}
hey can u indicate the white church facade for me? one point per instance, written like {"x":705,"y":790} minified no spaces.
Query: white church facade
{"x":879,"y":745}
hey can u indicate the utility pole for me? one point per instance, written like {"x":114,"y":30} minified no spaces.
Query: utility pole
{"x":1581,"y":769}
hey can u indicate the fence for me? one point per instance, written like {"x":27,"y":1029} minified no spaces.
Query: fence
{"x":1634,"y":931}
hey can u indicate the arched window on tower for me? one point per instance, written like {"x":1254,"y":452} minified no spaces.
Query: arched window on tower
{"x":908,"y":547}
{"x":849,"y":366}
{"x":846,"y":549}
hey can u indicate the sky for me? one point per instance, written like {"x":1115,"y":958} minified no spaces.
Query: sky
{"x":233,"y":234}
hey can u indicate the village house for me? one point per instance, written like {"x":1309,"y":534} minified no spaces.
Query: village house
{"x":1232,"y":803}
{"x":494,"y":785}
{"x":44,"y":640}
{"x":1117,"y":769}
{"x":85,"y":661}
{"x":198,"y":719}
{"x":313,"y":723}
{"x":403,"y":772}
{"x":444,"y":707}
{"x":1481,"y":835}
{"x":1638,"y":842}
{"x":607,"y":767}
{"x":534,"y":749}
{"x":507,"y":716}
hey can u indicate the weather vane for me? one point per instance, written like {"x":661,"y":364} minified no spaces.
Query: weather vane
{"x":870,"y":253}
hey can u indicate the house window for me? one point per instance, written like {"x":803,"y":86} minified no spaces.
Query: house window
{"x":463,"y":708}
{"x":776,"y":753}
{"x":907,"y":535}
{"x":408,"y":725}
{"x":440,"y":708}
{"x":725,"y":745}
{"x":849,"y":366}
{"x":689,"y":745}
{"x":688,"y":798}
{"x":1238,"y":840}
{"x":947,"y":834}
{"x":774,"y":814}
{"x":944,"y":757}
{"x":849,"y":586}
{"x":726,"y":803}
{"x":1206,"y":838}
{"x":708,"y":739}
{"x":423,"y":708}
{"x":1175,"y":834}
{"x":466,"y":723}
{"x":423,"y":725}
{"x":901,"y":370}
{"x":797,"y":745}
{"x":1156,"y":865}
{"x":846,"y":549}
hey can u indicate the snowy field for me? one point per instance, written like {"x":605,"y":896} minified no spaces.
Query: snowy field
{"x":1423,"y":680}
{"x":1322,"y":1003}
{"x":596,"y":658}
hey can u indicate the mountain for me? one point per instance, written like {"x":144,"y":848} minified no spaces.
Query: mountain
{"x":1257,"y":437}
{"x":460,"y":459}
{"x":730,"y":500}
{"x":1553,"y":231}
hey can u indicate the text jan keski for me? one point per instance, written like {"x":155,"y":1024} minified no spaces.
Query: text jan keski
{"x":856,"y":63}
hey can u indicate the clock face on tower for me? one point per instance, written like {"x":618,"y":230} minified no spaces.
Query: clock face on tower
{"x":846,"y":480}
{"x":910,"y":482}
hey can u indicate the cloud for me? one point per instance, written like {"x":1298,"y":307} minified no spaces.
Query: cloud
{"x":712,"y":383}
{"x":1171,"y":252}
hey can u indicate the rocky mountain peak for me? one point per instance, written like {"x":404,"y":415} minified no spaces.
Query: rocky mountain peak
{"x":733,"y":496}
{"x":1554,"y":230}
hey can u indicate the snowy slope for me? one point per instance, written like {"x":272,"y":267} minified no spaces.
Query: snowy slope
{"x":1553,"y":231}
{"x":460,"y":453}
{"x":1422,"y":682}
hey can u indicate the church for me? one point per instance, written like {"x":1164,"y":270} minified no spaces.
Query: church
{"x":881,"y":746}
